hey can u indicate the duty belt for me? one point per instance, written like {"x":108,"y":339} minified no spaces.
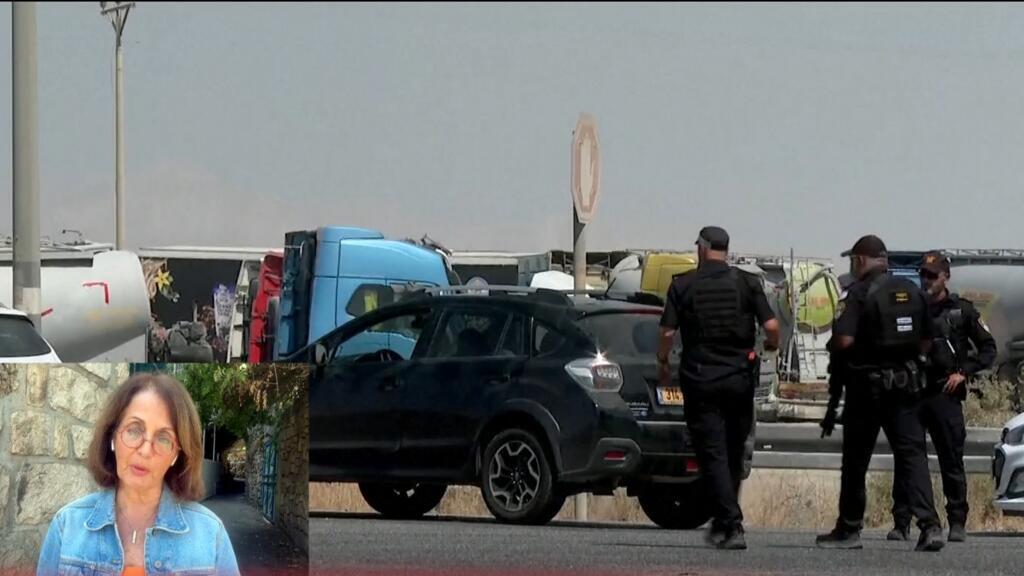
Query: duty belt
{"x":906,"y":379}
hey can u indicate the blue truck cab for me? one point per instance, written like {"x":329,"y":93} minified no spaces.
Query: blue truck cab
{"x":335,"y":274}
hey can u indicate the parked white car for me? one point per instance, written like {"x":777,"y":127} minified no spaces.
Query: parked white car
{"x":1008,"y":468}
{"x":20,"y":342}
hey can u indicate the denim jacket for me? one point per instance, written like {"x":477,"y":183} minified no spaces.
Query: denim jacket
{"x":186,"y":539}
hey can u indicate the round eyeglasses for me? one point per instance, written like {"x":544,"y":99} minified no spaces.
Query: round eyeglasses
{"x":133,"y":436}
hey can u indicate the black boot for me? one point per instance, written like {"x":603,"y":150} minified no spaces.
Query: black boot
{"x":715,"y":536}
{"x":734,"y":540}
{"x":931,"y":540}
{"x":899,"y":533}
{"x":839,"y":539}
{"x":957,"y":532}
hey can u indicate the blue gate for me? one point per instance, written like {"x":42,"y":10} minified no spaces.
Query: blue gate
{"x":268,"y":479}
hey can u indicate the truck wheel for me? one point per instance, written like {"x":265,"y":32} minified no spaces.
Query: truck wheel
{"x":517,"y":481}
{"x":676,"y":506}
{"x":402,"y":501}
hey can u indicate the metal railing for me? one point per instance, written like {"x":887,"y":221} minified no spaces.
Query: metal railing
{"x":800,"y":446}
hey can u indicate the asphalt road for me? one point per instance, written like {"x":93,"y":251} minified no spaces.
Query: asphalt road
{"x":362,"y":544}
{"x":260,"y":547}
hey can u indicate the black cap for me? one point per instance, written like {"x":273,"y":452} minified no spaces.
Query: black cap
{"x":935,"y":262}
{"x":714,"y":238}
{"x":870,"y":246}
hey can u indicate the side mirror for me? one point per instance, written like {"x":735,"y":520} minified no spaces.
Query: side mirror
{"x":320,"y":354}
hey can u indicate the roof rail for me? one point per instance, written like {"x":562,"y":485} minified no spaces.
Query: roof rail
{"x":984,"y":256}
{"x":553,"y":296}
{"x":643,"y":298}
{"x":964,"y":256}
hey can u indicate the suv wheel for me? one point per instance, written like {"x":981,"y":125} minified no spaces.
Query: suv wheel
{"x":676,"y":506}
{"x":517,"y":481}
{"x":402,"y":501}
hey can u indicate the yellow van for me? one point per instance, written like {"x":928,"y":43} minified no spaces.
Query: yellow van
{"x":660,"y":267}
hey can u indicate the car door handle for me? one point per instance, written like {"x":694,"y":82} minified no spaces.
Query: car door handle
{"x":389,"y":385}
{"x":499,"y":380}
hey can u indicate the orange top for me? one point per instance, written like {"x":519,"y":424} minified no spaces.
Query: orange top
{"x":134,"y":571}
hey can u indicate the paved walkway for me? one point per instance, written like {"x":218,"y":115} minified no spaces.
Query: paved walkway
{"x":260,"y":547}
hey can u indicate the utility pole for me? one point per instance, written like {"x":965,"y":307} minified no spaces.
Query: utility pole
{"x":118,"y":14}
{"x":26,"y":289}
{"x":584,"y":186}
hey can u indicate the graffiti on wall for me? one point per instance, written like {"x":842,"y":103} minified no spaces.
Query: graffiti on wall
{"x":191,"y":300}
{"x":159,"y":279}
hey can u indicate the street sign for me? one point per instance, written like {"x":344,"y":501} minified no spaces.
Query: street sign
{"x":586,"y":168}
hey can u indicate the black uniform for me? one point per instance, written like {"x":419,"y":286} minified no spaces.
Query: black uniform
{"x":956,"y":325}
{"x":715,"y":307}
{"x":888,"y":318}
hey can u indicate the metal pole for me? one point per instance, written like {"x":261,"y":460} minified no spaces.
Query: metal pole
{"x":579,"y":272}
{"x":119,"y":130}
{"x":26,"y":289}
{"x":579,"y":253}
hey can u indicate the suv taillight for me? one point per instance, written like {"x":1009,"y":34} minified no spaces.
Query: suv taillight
{"x":596,"y":374}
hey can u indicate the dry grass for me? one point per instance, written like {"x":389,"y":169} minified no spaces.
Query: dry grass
{"x":791,"y":499}
{"x":466,"y":502}
{"x":980,"y":488}
{"x":995,"y":408}
{"x":776,"y":499}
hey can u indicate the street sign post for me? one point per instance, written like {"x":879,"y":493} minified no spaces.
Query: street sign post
{"x":585,"y":186}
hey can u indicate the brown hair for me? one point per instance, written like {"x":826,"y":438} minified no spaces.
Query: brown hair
{"x":185,"y":477}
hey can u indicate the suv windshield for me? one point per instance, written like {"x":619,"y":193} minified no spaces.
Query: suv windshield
{"x":18,"y":338}
{"x":625,"y":333}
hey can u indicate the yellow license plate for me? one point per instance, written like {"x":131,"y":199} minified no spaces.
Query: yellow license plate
{"x":670,"y":396}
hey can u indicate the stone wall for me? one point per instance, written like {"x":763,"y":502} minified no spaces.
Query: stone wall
{"x":254,"y":463}
{"x":291,"y":498}
{"x":292,"y":507}
{"x":46,"y":418}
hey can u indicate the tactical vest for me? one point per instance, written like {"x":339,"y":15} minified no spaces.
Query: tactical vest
{"x":897,"y":308}
{"x":720,"y":317}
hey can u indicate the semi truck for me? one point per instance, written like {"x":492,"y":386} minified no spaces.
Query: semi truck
{"x":325,"y":277}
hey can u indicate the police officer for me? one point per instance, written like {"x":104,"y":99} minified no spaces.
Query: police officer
{"x":957,"y":327}
{"x":715,"y":308}
{"x":879,"y":338}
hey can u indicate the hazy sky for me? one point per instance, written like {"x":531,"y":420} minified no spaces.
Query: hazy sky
{"x":799,"y":125}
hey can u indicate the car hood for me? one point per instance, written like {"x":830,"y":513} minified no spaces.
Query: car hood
{"x":1015,"y":422}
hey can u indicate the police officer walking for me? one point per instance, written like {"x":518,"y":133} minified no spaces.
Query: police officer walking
{"x":715,"y":308}
{"x":957,"y":326}
{"x":879,"y":338}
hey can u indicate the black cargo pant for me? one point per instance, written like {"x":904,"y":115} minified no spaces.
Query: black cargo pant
{"x":866,"y":413}
{"x":719,"y":415}
{"x":943,"y":417}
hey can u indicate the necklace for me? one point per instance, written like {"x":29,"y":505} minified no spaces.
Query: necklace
{"x":133,"y":529}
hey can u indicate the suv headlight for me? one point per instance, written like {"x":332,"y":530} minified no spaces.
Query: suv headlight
{"x":1016,"y":487}
{"x":1013,"y":437}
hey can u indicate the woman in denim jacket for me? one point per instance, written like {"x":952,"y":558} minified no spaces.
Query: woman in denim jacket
{"x":147,"y":456}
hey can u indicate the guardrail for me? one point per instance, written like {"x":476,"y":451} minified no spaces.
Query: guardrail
{"x":800,"y":446}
